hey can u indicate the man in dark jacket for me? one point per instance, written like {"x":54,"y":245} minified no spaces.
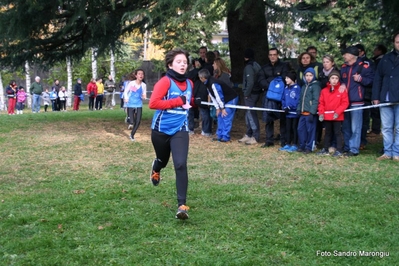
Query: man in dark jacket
{"x":77,"y":91}
{"x":275,"y":68}
{"x":367,"y":100}
{"x":355,"y":82}
{"x":251,"y":70}
{"x":386,"y":90}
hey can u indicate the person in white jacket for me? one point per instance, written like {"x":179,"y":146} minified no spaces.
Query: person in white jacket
{"x":62,"y":95}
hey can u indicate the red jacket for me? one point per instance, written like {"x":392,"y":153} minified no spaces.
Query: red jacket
{"x":332,"y":101}
{"x":92,"y":87}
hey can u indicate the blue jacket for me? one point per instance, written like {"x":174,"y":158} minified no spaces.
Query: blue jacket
{"x":356,"y":88}
{"x":386,"y":80}
{"x":290,"y":99}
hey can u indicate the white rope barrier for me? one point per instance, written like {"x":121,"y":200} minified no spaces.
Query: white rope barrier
{"x":282,"y":111}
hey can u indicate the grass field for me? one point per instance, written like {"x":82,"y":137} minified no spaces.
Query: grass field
{"x":74,"y":190}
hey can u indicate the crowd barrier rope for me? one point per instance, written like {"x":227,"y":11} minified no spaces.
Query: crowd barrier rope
{"x":282,"y":111}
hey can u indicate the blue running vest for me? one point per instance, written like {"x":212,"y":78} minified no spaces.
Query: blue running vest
{"x":170,"y":121}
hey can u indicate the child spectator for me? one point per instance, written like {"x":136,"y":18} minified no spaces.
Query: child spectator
{"x":332,"y":104}
{"x":289,"y":104}
{"x":21,"y":98}
{"x":307,"y":108}
{"x":46,"y":99}
{"x":220,"y":94}
{"x":11,"y":91}
{"x":63,"y":96}
{"x":134,"y":94}
{"x":53,"y":98}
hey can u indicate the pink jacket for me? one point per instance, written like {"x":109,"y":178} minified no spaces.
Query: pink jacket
{"x":21,"y":96}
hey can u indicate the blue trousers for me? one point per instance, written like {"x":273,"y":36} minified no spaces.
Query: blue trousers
{"x":251,"y":117}
{"x":307,"y":131}
{"x":206,"y":120}
{"x":36,"y":103}
{"x":226,"y":123}
{"x":352,"y":130}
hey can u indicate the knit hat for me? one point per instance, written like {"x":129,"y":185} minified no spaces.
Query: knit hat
{"x":334,"y":73}
{"x":353,"y":50}
{"x":292,"y":75}
{"x":309,"y":70}
{"x":79,"y":79}
{"x":249,"y":53}
{"x":360,"y":47}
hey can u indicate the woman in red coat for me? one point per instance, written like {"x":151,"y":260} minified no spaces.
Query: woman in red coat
{"x":11,"y":91}
{"x":92,"y":92}
{"x":332,"y":104}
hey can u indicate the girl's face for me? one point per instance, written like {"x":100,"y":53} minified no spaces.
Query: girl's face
{"x":334,"y":80}
{"x":327,"y":64}
{"x":179,"y":64}
{"x":140,"y":75}
{"x":305,"y":60}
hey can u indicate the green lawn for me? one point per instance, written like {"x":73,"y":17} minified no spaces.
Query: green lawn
{"x":74,"y":190}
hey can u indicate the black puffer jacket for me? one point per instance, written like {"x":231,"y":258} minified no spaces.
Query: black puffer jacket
{"x":268,"y":72}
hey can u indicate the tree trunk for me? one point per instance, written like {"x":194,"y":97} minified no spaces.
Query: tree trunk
{"x":112,"y":70}
{"x":247,"y":29}
{"x":69,"y":81}
{"x":112,"y":65}
{"x":94,"y":62}
{"x":27,"y":78}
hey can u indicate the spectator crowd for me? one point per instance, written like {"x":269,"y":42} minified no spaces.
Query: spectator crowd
{"x":345,"y":102}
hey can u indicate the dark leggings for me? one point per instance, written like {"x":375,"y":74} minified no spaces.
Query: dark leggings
{"x":178,"y":145}
{"x":134,"y":115}
{"x":62,"y":105}
{"x":99,"y":101}
{"x":291,"y":125}
{"x":91,"y":103}
{"x":333,"y":128}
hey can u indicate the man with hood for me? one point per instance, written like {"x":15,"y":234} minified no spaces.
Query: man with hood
{"x":307,"y":109}
{"x":356,"y":75}
{"x":251,"y":70}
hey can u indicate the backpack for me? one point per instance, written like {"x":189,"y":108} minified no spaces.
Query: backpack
{"x":53,"y":95}
{"x":276,"y":89}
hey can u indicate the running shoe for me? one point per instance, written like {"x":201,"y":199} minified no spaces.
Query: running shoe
{"x":155,"y":176}
{"x":182,"y":212}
